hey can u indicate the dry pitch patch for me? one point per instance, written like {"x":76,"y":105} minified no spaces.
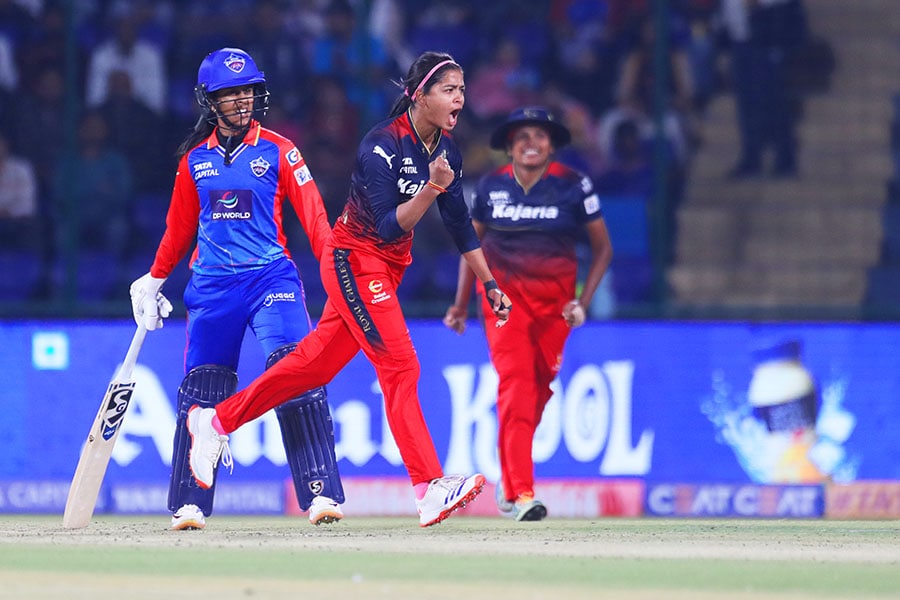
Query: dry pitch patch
{"x":838,"y":541}
{"x":636,"y":559}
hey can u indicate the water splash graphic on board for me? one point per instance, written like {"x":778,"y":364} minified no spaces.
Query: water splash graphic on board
{"x":800,"y":456}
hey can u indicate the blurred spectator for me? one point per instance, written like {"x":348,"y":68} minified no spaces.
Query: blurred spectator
{"x":637,"y":98}
{"x":630,"y":168}
{"x":279,"y":53}
{"x":637,"y":81}
{"x":586,"y":55}
{"x":38,"y":129}
{"x":330,"y":140}
{"x":583,"y":152}
{"x":48,"y":45}
{"x":9,"y":72}
{"x":761,"y":36}
{"x":503,"y":82}
{"x":701,"y":48}
{"x":448,"y":25}
{"x":16,"y":25}
{"x":357,"y":59}
{"x":124,"y":51}
{"x":199,"y":28}
{"x":93,"y":189}
{"x":526,"y":23}
{"x":133,"y":129}
{"x":19,"y":225}
{"x":388,"y":24}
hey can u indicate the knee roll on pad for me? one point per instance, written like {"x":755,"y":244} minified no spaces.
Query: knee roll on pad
{"x":278,"y":354}
{"x":308,"y":434}
{"x":206,"y":386}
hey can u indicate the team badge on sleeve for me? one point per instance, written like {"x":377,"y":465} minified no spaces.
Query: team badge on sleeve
{"x":293,"y":156}
{"x":302,"y":175}
{"x":591,"y":204}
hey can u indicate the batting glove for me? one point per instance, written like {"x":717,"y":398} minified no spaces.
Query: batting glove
{"x":148,"y":304}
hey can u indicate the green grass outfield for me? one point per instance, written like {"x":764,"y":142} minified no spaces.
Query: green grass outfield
{"x":464,"y":557}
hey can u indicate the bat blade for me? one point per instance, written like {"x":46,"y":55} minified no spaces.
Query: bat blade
{"x":100,"y":442}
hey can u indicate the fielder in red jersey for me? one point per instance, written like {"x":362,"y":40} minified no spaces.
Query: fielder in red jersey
{"x":404,"y":165}
{"x":529,"y":215}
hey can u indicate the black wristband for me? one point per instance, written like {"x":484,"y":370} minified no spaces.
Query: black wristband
{"x":490,"y":284}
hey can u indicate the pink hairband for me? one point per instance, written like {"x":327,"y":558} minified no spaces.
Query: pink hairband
{"x":427,"y":77}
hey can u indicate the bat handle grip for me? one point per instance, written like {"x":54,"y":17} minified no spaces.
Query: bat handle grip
{"x":131,"y":356}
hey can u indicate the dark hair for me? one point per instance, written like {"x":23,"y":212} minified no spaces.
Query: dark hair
{"x":204,"y":126}
{"x":417,"y":72}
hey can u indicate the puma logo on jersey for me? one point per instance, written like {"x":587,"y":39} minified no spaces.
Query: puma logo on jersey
{"x":388,"y":159}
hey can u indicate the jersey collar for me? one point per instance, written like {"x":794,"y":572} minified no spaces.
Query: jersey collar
{"x":418,"y":138}
{"x":251,"y":138}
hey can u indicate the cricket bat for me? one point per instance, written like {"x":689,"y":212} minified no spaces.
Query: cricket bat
{"x":101,"y":440}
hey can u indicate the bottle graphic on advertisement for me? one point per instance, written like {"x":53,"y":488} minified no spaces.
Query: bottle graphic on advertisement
{"x":784,"y":395}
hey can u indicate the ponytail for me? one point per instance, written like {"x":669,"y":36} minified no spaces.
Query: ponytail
{"x":427,"y":70}
{"x":201,"y":131}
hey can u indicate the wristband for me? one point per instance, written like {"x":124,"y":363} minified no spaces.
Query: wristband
{"x":490,"y":284}
{"x":430,"y":183}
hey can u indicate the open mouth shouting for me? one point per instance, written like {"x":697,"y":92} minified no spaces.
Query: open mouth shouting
{"x":452,"y":119}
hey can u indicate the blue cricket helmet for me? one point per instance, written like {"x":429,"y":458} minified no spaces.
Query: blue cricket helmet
{"x":228,"y":68}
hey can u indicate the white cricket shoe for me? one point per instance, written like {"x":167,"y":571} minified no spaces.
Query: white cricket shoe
{"x":506,"y":507}
{"x":447,"y":494}
{"x":527,"y":508}
{"x":187,"y":517}
{"x":207,"y":446}
{"x":324,"y":510}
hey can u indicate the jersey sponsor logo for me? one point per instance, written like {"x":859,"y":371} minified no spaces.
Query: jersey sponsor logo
{"x":381,"y":152}
{"x":378,"y":294}
{"x":409,"y":188}
{"x":516,"y":212}
{"x":409,"y":170}
{"x":204,"y":169}
{"x":235,"y":62}
{"x":279,"y":297}
{"x":259,"y":166}
{"x":591,"y":204}
{"x":302,"y":175}
{"x":293,"y":156}
{"x":230,"y":205}
{"x":499,"y":196}
{"x":347,"y":281}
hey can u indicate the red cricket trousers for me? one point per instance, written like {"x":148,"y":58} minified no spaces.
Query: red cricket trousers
{"x":362,"y":312}
{"x":527,"y":354}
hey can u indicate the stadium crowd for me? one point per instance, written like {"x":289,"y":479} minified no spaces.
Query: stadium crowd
{"x":96,"y":94}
